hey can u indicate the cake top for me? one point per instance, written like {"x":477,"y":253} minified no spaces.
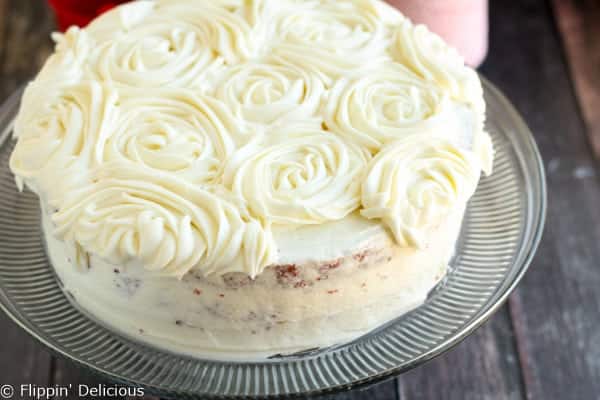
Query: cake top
{"x":180,"y":134}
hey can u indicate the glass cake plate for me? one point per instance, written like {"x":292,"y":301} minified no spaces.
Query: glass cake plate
{"x":501,"y":231}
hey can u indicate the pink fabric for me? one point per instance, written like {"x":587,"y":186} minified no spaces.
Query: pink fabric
{"x":462,"y":23}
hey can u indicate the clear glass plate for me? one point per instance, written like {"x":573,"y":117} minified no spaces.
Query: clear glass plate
{"x":500,"y":234}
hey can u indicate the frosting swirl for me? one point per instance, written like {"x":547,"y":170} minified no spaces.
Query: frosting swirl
{"x":331,"y":37}
{"x":268,"y":92}
{"x":300,"y":175}
{"x":232,"y":28}
{"x":415,"y":182}
{"x":160,"y":52}
{"x":174,"y":132}
{"x":66,"y":64}
{"x":429,"y":56}
{"x":384,"y":104}
{"x":171,"y":227}
{"x":58,"y":132}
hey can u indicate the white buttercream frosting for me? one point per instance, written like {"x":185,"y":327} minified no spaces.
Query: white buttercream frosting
{"x":59,"y":129}
{"x":181,"y":134}
{"x":127,"y":214}
{"x":271,"y":91}
{"x":386,"y":104}
{"x":298,"y":174}
{"x":429,"y":56}
{"x":329,"y":36}
{"x":414,"y":183}
{"x":188,"y":135}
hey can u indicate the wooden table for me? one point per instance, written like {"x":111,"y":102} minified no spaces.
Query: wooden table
{"x":545,"y":342}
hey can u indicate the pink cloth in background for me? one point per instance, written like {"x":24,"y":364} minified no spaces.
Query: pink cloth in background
{"x":462,"y":23}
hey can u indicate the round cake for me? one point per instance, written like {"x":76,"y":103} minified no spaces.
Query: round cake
{"x":238,"y":179}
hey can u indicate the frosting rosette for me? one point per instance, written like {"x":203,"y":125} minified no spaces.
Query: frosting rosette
{"x":299,"y":175}
{"x":331,"y":37}
{"x":175,"y":132}
{"x":160,"y":52}
{"x":66,"y":64}
{"x":268,"y":92}
{"x":171,"y":227}
{"x":429,"y":56}
{"x":233,"y":29}
{"x":58,"y":129}
{"x":385,"y":104}
{"x":415,"y":182}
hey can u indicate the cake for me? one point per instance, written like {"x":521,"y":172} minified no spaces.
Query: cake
{"x":238,"y":179}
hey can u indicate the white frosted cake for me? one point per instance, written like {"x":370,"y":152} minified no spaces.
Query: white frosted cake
{"x":235,"y":179}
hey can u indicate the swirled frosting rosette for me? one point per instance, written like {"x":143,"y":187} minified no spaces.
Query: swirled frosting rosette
{"x":58,"y":131}
{"x":156,"y":56}
{"x":66,"y":64}
{"x":385,"y":104}
{"x":271,"y":91}
{"x":430,"y":57}
{"x":415,"y":182}
{"x":170,"y":227}
{"x":173,"y":43}
{"x":299,"y":175}
{"x":331,"y":37}
{"x":161,"y":51}
{"x":175,"y":132}
{"x":234,"y":29}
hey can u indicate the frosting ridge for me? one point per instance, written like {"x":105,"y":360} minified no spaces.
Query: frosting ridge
{"x":298,"y":175}
{"x":385,"y":104}
{"x":171,"y":227}
{"x":415,"y":182}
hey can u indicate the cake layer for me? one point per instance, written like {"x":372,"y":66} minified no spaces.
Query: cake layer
{"x":288,"y":308}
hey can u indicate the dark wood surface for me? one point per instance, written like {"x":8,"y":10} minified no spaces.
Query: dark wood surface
{"x":578,"y":23}
{"x":545,"y":342}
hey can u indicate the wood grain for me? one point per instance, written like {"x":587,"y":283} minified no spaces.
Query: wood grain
{"x":22,"y":360}
{"x":483,"y":366}
{"x":556,"y":309}
{"x":579,"y":24}
{"x":25,"y":28}
{"x":67,"y":373}
{"x":383,"y":391}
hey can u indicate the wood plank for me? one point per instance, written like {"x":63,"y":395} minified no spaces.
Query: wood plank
{"x":483,"y":366}
{"x":65,"y":373}
{"x":579,"y":24}
{"x":23,"y":361}
{"x":556,"y":309}
{"x":24,"y":30}
{"x":383,"y":391}
{"x":24,"y":41}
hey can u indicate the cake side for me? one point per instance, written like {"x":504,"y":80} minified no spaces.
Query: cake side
{"x":288,"y":308}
